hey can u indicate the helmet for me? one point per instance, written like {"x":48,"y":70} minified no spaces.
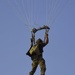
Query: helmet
{"x":38,"y":41}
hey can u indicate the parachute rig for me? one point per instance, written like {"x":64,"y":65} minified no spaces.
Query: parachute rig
{"x":34,"y":30}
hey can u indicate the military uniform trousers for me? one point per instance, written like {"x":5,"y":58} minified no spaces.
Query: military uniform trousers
{"x":41,"y":63}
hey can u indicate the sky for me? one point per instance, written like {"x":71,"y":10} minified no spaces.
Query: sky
{"x":17,"y":18}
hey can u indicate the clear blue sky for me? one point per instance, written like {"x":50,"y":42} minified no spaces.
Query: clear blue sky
{"x":15,"y":35}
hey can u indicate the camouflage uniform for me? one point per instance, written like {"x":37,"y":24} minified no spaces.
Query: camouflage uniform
{"x":38,"y":60}
{"x":42,"y":64}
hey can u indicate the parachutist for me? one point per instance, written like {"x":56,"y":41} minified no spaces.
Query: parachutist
{"x":36,"y":54}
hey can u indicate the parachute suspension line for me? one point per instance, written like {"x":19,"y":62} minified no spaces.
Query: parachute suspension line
{"x":52,"y":11}
{"x":35,"y":13}
{"x":30,"y":27}
{"x":31,"y":18}
{"x":61,"y":6}
{"x":26,"y":16}
{"x":32,"y":12}
{"x":49,"y":10}
{"x":27,"y":12}
{"x":30,"y":6}
{"x":56,"y":10}
{"x":46,"y":12}
{"x":19,"y":9}
{"x":31,"y":15}
{"x":16,"y":11}
{"x":25,"y":7}
{"x":46,"y":16}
